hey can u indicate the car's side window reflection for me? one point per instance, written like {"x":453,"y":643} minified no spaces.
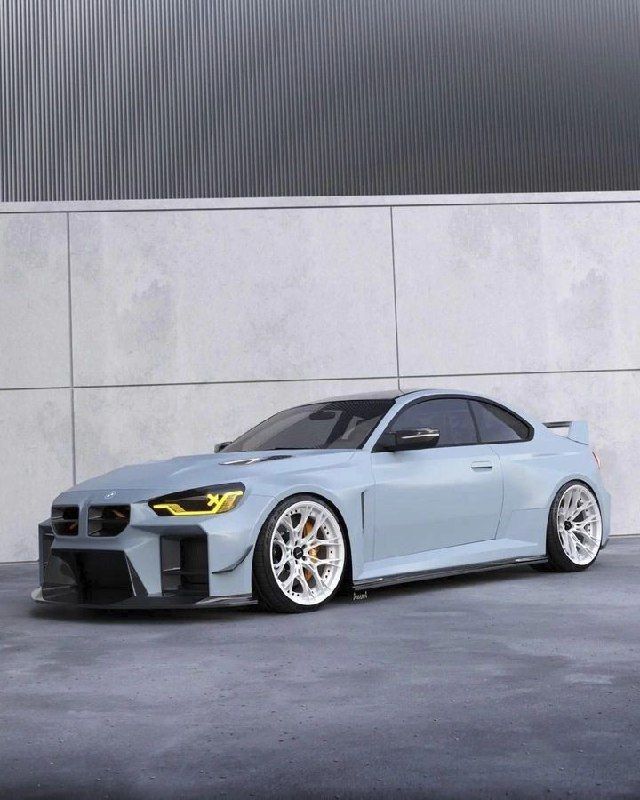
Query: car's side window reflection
{"x":450,"y":415}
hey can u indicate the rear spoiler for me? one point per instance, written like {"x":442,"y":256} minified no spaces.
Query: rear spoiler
{"x":578,"y":429}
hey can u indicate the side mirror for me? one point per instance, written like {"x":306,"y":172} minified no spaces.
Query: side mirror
{"x":416,"y":439}
{"x":220,"y":446}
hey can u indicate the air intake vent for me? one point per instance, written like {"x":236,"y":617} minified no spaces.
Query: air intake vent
{"x":185,"y":565}
{"x":87,"y":576}
{"x":64,"y":520}
{"x":108,"y":520}
{"x":45,"y":540}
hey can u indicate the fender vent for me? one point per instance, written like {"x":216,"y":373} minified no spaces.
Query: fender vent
{"x":108,"y":520}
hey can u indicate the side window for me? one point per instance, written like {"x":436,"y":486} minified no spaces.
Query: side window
{"x":450,"y":415}
{"x":495,"y":424}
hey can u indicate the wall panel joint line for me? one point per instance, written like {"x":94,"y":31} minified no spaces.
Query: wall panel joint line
{"x":71,"y":376}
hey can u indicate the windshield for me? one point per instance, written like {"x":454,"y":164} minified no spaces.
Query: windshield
{"x":338,"y":424}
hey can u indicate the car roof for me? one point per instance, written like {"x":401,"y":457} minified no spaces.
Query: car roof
{"x":394,"y":394}
{"x":385,"y":394}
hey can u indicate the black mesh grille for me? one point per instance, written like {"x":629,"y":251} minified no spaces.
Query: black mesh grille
{"x":64,"y":520}
{"x":108,"y":520}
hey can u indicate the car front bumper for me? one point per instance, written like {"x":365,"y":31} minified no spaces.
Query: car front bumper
{"x":155,"y":562}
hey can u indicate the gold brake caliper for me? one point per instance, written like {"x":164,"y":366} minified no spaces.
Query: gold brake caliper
{"x":312,"y":550}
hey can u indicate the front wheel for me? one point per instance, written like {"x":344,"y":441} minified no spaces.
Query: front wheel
{"x":300,"y":555}
{"x":574,"y":532}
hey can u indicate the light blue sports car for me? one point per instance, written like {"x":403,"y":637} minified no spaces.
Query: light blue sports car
{"x":354,"y":492}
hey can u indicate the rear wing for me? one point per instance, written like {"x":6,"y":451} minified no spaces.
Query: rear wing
{"x":578,"y":430}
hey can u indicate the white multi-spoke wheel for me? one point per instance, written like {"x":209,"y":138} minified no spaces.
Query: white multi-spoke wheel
{"x":300,"y":555}
{"x":574,"y":535}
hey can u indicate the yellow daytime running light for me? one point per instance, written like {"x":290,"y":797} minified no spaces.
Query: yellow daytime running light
{"x":199,"y":503}
{"x":219,"y":503}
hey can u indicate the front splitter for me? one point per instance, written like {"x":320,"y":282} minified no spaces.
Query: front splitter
{"x":150,"y":602}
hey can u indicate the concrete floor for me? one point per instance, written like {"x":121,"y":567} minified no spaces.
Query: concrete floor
{"x":511,"y":684}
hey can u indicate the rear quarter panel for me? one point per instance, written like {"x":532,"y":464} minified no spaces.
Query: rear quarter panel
{"x":533,"y":473}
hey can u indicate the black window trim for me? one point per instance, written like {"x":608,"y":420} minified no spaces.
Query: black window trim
{"x":468,"y":398}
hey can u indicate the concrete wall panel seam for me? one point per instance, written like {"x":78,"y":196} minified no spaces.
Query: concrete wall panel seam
{"x":71,"y":389}
{"x":395,"y":293}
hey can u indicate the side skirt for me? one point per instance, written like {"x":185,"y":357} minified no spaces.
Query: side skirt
{"x":445,"y":572}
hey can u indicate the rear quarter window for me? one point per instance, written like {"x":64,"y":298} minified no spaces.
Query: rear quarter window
{"x":496,"y":424}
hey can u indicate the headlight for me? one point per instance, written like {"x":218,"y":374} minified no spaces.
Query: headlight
{"x":199,"y":502}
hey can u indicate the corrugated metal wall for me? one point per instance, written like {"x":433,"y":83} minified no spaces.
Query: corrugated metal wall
{"x":114,"y":99}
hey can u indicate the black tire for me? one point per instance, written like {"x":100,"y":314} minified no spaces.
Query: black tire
{"x":559,"y":561}
{"x":269,"y":593}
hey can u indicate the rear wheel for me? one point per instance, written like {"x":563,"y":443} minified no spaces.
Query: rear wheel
{"x":300,"y":556}
{"x":574,"y":531}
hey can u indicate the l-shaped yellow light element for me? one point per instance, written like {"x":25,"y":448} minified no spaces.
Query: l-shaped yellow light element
{"x":218,"y":504}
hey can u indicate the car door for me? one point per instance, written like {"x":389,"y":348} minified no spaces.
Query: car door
{"x":509,"y":437}
{"x":443,"y":496}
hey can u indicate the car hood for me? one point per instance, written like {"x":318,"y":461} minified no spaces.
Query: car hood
{"x":155,"y":478}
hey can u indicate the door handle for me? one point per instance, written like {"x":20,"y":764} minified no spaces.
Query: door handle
{"x":481,"y":466}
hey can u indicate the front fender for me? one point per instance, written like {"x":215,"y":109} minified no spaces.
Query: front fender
{"x":352,"y":507}
{"x":231,"y":539}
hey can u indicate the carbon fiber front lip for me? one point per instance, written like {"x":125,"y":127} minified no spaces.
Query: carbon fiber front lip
{"x":150,"y":602}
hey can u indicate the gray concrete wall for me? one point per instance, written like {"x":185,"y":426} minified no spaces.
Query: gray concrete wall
{"x":139,"y":330}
